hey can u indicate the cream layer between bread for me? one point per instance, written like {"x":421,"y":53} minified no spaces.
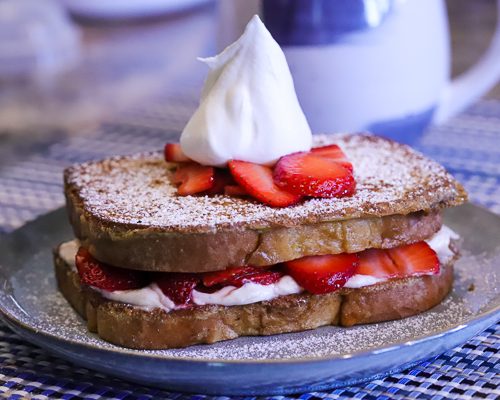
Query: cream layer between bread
{"x":151,"y":296}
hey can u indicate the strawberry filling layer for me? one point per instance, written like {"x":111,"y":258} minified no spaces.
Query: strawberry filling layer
{"x":246,"y":285}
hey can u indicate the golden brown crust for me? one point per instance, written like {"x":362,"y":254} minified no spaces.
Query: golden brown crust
{"x":394,"y":299}
{"x":127,"y":326}
{"x":349,"y":236}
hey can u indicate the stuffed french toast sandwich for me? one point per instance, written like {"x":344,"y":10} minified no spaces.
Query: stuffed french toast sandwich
{"x":253,"y":226}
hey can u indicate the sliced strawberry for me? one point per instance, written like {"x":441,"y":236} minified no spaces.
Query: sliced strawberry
{"x":377,"y":263}
{"x":235,"y":191}
{"x":178,"y":287}
{"x":222,"y":178}
{"x":333,"y":152}
{"x":310,"y":174}
{"x":323,"y":274}
{"x":262,"y":278}
{"x":415,"y":259}
{"x":173,"y":153}
{"x":193,"y":178}
{"x":225,"y":276}
{"x":240,"y":275}
{"x":94,"y":273}
{"x":257,"y":181}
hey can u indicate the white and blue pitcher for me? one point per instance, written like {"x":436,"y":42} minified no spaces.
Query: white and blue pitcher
{"x":378,"y":65}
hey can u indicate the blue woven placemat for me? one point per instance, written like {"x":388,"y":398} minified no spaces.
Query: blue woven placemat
{"x":468,"y":146}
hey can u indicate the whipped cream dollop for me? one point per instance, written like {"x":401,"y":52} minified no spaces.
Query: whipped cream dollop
{"x":152,"y":296}
{"x":248,"y":109}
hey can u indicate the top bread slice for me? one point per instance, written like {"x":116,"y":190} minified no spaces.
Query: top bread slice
{"x":120,"y":201}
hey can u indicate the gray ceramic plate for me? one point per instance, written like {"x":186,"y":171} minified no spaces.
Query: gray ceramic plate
{"x":315,"y":360}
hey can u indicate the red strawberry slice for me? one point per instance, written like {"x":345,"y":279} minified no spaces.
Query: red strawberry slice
{"x":173,"y":153}
{"x":193,"y":178}
{"x":257,"y":181}
{"x":261,"y":278}
{"x":94,"y":273}
{"x":333,"y":152}
{"x":178,"y":287}
{"x":310,"y":174}
{"x":323,"y":274}
{"x":240,"y":275}
{"x":234,"y":191}
{"x":415,"y":259}
{"x":222,"y":178}
{"x":227,"y":275}
{"x":377,"y":263}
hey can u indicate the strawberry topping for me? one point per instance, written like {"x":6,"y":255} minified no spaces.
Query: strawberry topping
{"x":257,"y":181}
{"x":377,"y":263}
{"x":323,"y":274}
{"x":94,"y":273}
{"x":261,"y":278}
{"x":178,"y":287}
{"x":316,"y":274}
{"x":240,"y":275}
{"x":415,"y":259}
{"x":333,"y":152}
{"x":193,"y":178}
{"x":222,"y":179}
{"x":401,"y":262}
{"x":322,"y":172}
{"x":221,"y":277}
{"x":174,"y":153}
{"x":235,"y":191}
{"x":312,"y":174}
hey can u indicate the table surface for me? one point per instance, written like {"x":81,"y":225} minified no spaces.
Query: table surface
{"x":30,"y":185}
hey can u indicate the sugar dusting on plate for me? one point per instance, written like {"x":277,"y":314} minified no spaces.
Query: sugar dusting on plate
{"x":47,"y":311}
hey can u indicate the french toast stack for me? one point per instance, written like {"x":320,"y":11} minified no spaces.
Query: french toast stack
{"x":151,"y":269}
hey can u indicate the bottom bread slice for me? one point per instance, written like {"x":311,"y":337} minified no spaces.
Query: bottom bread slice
{"x":136,"y":328}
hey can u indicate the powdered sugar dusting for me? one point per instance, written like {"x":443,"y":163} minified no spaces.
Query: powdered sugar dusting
{"x":136,"y":190}
{"x":47,"y":311}
{"x":327,"y":341}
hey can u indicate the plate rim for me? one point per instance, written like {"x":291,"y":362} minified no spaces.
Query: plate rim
{"x":141,"y":354}
{"x":276,"y":361}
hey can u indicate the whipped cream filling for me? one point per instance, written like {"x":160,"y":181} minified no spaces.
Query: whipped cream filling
{"x":248,"y":109}
{"x":67,"y":251}
{"x":148,"y":297}
{"x":151,"y":296}
{"x":248,"y":293}
{"x":359,"y":281}
{"x":440,"y":243}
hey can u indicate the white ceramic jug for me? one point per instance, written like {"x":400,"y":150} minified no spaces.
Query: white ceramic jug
{"x":379,"y":65}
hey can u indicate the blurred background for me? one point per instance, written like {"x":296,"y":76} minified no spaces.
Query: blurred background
{"x":69,"y":65}
{"x":82,"y":79}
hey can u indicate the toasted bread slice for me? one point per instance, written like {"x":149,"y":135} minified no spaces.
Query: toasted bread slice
{"x":203,"y":252}
{"x":133,"y":327}
{"x":127,"y":213}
